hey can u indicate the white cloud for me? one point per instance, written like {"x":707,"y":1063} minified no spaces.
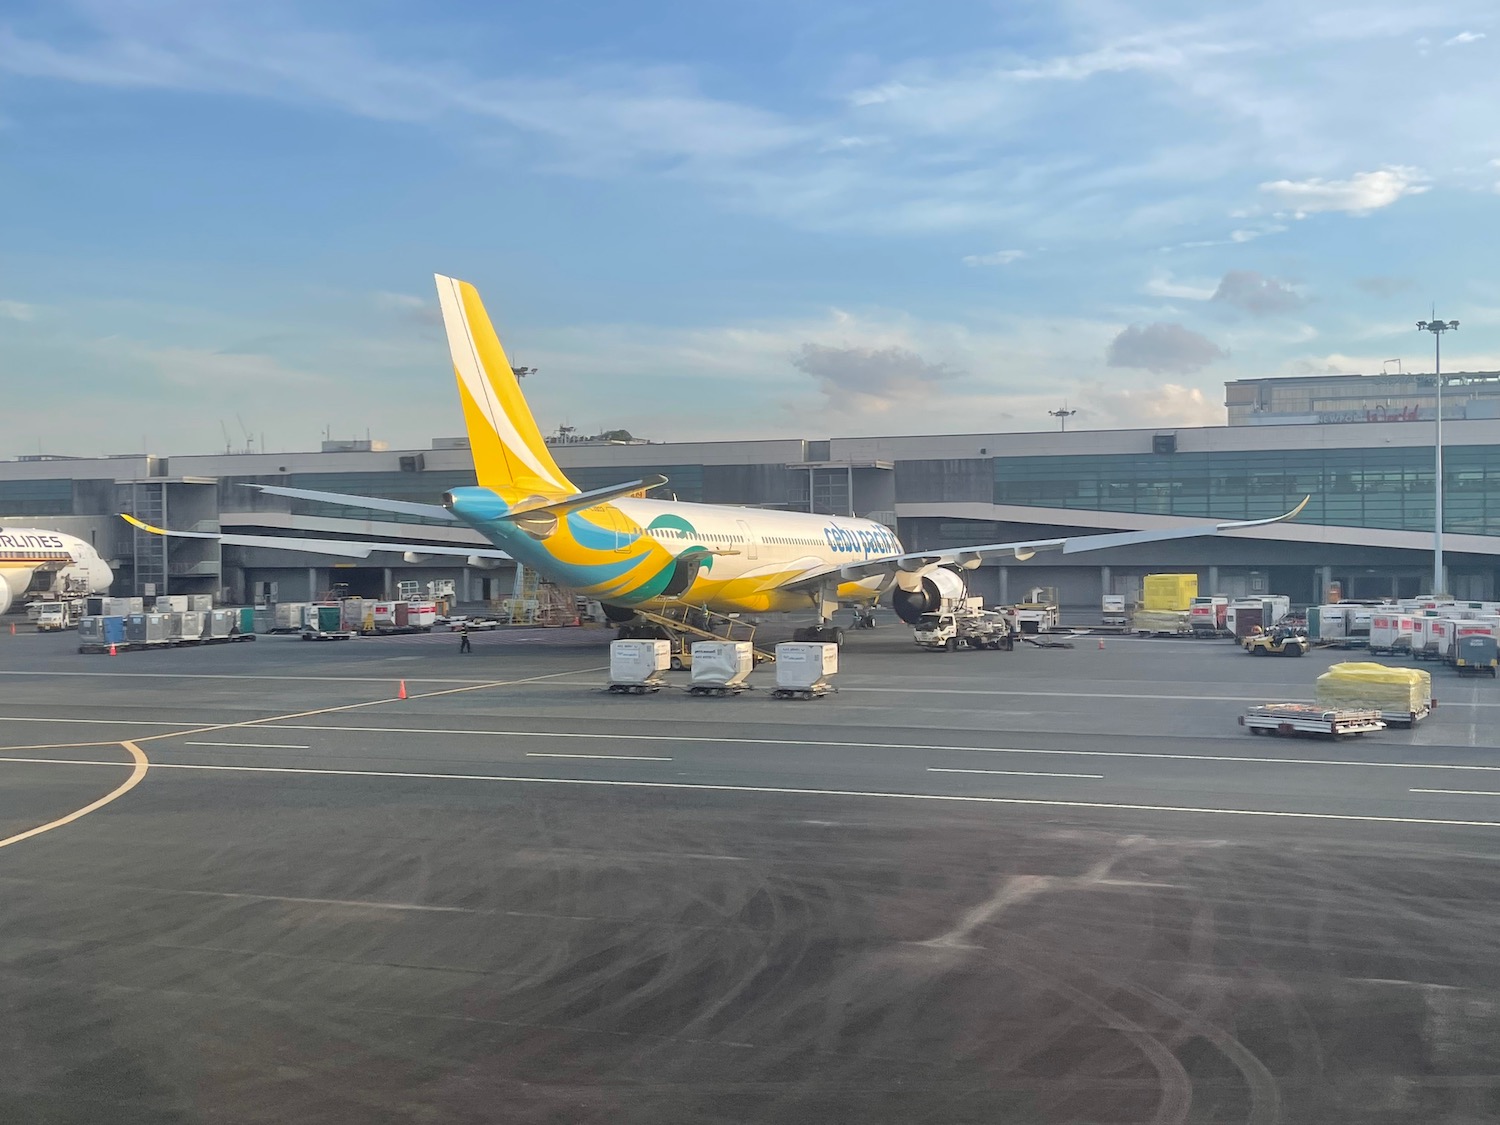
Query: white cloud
{"x":1163,"y":285}
{"x":1257,"y":294}
{"x":17,"y":310}
{"x":873,"y":379}
{"x":1250,"y":234}
{"x":1169,"y":404}
{"x":1360,"y":194}
{"x":1464,"y":37}
{"x":997,"y":258}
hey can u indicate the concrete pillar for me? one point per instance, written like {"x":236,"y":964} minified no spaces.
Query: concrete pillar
{"x":1005,"y":585}
{"x":1213,"y":580}
{"x":1104,"y":580}
{"x":312,"y":583}
{"x":388,"y":592}
{"x":1326,"y":574}
{"x":465,"y":587}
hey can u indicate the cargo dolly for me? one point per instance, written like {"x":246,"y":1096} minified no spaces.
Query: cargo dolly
{"x":1310,"y":718}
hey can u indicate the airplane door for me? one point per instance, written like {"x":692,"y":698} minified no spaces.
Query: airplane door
{"x":752,"y":548}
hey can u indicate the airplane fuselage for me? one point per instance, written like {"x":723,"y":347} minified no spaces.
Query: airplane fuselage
{"x":646,"y":553}
{"x":41,"y":561}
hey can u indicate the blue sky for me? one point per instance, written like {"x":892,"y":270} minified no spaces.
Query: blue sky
{"x":715,"y":219}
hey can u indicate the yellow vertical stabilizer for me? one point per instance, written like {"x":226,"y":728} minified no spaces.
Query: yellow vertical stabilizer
{"x":509,"y":453}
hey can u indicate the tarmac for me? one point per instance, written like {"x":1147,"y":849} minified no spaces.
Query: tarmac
{"x":248,"y":883}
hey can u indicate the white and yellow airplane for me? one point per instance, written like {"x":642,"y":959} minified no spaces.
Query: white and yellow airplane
{"x":630,"y":552}
{"x":34,"y":560}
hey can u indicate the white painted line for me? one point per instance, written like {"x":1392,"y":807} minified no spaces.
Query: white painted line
{"x":1018,"y":773}
{"x":293,"y":679}
{"x":604,"y":757}
{"x":778,"y":791}
{"x":251,"y":745}
{"x":838,"y":745}
{"x":1459,"y":792}
{"x":101,"y":722}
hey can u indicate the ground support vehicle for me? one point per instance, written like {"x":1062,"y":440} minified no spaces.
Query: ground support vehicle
{"x":1039,"y":613}
{"x":803,"y":670}
{"x":964,"y":628}
{"x":1310,"y":718}
{"x":1277,"y":642}
{"x":1474,"y":653}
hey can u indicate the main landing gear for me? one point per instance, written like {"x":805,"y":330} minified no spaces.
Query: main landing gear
{"x":820,"y":634}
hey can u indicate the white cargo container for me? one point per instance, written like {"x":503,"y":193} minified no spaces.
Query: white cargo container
{"x":171,"y":603}
{"x":185,"y":627}
{"x":200,"y":603}
{"x":421,"y":615}
{"x":384,"y":613}
{"x":287,"y":617}
{"x":721,"y":666}
{"x":1391,"y":632}
{"x":1333,"y":622}
{"x":123,"y":607}
{"x":636,"y":667}
{"x":1430,"y":637}
{"x":802,"y":669}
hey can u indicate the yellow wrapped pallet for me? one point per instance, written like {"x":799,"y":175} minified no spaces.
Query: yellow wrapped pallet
{"x":1159,"y":621}
{"x":1168,"y":591}
{"x":1376,"y":686}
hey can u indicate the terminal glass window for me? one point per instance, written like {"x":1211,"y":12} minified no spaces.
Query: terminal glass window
{"x":36,"y":498}
{"x":1384,"y":488}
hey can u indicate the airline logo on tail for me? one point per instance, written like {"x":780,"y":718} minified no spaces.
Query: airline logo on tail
{"x":510,"y":455}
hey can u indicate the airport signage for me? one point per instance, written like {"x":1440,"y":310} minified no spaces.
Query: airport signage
{"x":855,"y":541}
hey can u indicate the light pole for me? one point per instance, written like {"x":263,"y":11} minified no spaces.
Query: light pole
{"x":1062,"y":415}
{"x":1437,"y":328}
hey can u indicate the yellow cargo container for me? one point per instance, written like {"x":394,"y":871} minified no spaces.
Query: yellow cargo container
{"x":1388,"y":690}
{"x":1168,"y":591}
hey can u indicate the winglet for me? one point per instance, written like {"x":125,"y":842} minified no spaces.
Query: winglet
{"x":1293,"y":514}
{"x":133,"y":522}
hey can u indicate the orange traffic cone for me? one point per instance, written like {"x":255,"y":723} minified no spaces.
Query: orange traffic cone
{"x":1101,"y":644}
{"x":12,"y":628}
{"x":112,"y":649}
{"x":401,"y":691}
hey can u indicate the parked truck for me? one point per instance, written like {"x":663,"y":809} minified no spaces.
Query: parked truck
{"x":967,"y":625}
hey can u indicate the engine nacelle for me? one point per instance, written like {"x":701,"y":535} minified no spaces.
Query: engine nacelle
{"x":937,"y":591}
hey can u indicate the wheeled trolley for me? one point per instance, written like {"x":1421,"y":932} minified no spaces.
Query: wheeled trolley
{"x":1311,"y":718}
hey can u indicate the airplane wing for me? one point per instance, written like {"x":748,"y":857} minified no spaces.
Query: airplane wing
{"x":966,"y":558}
{"x":348,"y":549}
{"x":556,"y":506}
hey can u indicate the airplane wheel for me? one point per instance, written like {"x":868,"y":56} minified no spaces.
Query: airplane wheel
{"x":836,"y":635}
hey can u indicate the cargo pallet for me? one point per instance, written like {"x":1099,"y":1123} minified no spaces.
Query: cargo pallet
{"x":342,"y":635}
{"x":634,"y":689}
{"x":1284,"y":719}
{"x":719,"y":689}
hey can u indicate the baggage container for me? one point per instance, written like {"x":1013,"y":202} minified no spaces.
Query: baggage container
{"x":1160,"y":622}
{"x":222,"y":624}
{"x":381,"y":613}
{"x":324,"y":618}
{"x":200,"y":603}
{"x":403,"y":615}
{"x":421,"y":615}
{"x":171,"y":603}
{"x":356,"y":615}
{"x":247,"y":624}
{"x":146,"y":629}
{"x":123,"y":607}
{"x":803,"y":669}
{"x":1113,"y":609}
{"x":1209,"y":614}
{"x":1168,"y":591}
{"x":185,"y":627}
{"x":1401,"y":695}
{"x":1430,"y":636}
{"x":1391,"y":632}
{"x":93,"y":606}
{"x":97,"y":632}
{"x":636,"y":667}
{"x":720,"y":667}
{"x":287,"y":617}
{"x":1333,"y":623}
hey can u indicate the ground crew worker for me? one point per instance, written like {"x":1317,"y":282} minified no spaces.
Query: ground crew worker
{"x":463,"y":637}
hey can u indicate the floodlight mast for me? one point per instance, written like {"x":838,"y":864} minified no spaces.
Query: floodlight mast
{"x":1437,"y":328}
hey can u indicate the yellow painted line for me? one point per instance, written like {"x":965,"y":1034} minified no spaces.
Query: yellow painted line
{"x":137,"y":775}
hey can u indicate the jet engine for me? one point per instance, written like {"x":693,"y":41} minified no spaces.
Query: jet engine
{"x":936,"y":591}
{"x":6,"y":596}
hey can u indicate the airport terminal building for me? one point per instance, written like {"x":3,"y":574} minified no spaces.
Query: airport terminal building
{"x":1368,"y":526}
